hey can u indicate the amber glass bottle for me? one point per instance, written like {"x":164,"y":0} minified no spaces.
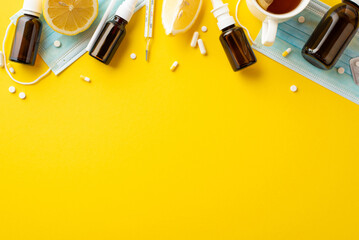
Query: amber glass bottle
{"x":27,"y":35}
{"x":237,"y":48}
{"x":109,"y":40}
{"x":113,"y":33}
{"x":333,"y":34}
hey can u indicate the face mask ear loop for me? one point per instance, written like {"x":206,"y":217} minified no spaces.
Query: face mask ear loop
{"x":249,"y":35}
{"x":7,"y":70}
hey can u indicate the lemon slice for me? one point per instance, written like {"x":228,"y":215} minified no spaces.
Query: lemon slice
{"x":70,"y":17}
{"x":179,"y":15}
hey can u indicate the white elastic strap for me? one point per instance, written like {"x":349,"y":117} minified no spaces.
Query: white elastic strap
{"x":7,"y":70}
{"x":249,"y":35}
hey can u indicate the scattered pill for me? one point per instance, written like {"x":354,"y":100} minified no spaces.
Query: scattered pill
{"x":57,"y":43}
{"x":357,"y":64}
{"x":286,"y":52}
{"x":301,"y":19}
{"x":201,"y":46}
{"x":293,"y":88}
{"x":174,"y":66}
{"x":87,"y":79}
{"x":1,"y":59}
{"x":341,"y":70}
{"x":22,"y":95}
{"x":194,"y":39}
{"x":11,"y":69}
{"x":133,"y":56}
{"x":12,"y":89}
{"x":204,"y":29}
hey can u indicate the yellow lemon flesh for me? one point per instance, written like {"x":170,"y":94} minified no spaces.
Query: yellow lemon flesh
{"x":179,"y":15}
{"x":70,"y":17}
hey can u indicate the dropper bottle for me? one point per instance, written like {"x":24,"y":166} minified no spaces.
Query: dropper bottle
{"x":113,"y":33}
{"x":27,"y":34}
{"x":233,"y":38}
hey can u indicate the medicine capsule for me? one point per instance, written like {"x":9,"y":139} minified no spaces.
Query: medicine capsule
{"x":286,"y":52}
{"x":194,"y":39}
{"x":201,"y":46}
{"x":174,"y":66}
{"x":87,"y":79}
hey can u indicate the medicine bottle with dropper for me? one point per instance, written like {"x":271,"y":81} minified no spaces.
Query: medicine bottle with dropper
{"x":27,"y":34}
{"x":113,"y":33}
{"x":233,"y":38}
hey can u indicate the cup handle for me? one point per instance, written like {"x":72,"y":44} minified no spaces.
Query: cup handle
{"x":269,"y":31}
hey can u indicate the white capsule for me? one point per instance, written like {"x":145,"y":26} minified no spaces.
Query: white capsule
{"x":194,"y":39}
{"x":293,"y":88}
{"x":22,"y":95}
{"x":12,"y":89}
{"x":11,"y":69}
{"x":87,"y":79}
{"x":301,"y":19}
{"x":174,"y":66}
{"x":133,"y":56}
{"x":57,"y":43}
{"x":201,"y":46}
{"x":341,"y":70}
{"x":204,"y":29}
{"x":1,"y":59}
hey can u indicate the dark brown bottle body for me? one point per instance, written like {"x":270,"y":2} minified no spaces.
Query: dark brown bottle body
{"x":237,"y":47}
{"x":26,"y":40}
{"x":333,"y":34}
{"x":109,"y":40}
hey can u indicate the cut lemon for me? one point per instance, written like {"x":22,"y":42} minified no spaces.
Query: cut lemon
{"x":179,"y":15}
{"x":70,"y":17}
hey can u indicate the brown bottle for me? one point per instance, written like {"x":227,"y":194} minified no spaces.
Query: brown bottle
{"x":27,"y":35}
{"x":113,"y":33}
{"x":237,"y":48}
{"x":233,"y":39}
{"x":333,"y":34}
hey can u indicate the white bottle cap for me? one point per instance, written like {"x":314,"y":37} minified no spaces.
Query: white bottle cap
{"x":32,"y":7}
{"x":221,"y":12}
{"x":126,"y":9}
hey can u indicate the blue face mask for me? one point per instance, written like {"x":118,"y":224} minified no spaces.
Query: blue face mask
{"x":292,"y":34}
{"x":72,"y":47}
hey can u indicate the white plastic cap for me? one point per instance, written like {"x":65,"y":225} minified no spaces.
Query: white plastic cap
{"x":32,"y":7}
{"x":221,"y":12}
{"x":126,"y":9}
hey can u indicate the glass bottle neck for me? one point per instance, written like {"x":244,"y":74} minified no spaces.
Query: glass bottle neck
{"x":229,"y":27}
{"x":120,"y":20}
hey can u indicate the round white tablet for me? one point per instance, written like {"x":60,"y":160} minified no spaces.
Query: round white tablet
{"x":301,"y":19}
{"x":133,"y":56}
{"x":12,"y":89}
{"x":57,"y":43}
{"x":22,"y":95}
{"x":341,"y":70}
{"x":293,"y":88}
{"x":204,"y":29}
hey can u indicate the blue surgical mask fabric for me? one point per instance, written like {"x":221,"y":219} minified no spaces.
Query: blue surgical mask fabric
{"x":292,"y":34}
{"x":72,"y":47}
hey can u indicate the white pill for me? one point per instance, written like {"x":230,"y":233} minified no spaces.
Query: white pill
{"x":12,"y":89}
{"x":357,"y":64}
{"x":133,"y":56}
{"x":341,"y":70}
{"x":201,"y":46}
{"x":301,"y":19}
{"x":194,"y":39}
{"x":22,"y":95}
{"x":204,"y":29}
{"x":1,"y":59}
{"x":11,"y":69}
{"x":57,"y":43}
{"x":174,"y":66}
{"x":293,"y":88}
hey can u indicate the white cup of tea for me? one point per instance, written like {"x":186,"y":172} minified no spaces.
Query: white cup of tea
{"x":270,"y":20}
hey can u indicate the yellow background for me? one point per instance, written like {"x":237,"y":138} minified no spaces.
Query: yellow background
{"x":200,"y":153}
